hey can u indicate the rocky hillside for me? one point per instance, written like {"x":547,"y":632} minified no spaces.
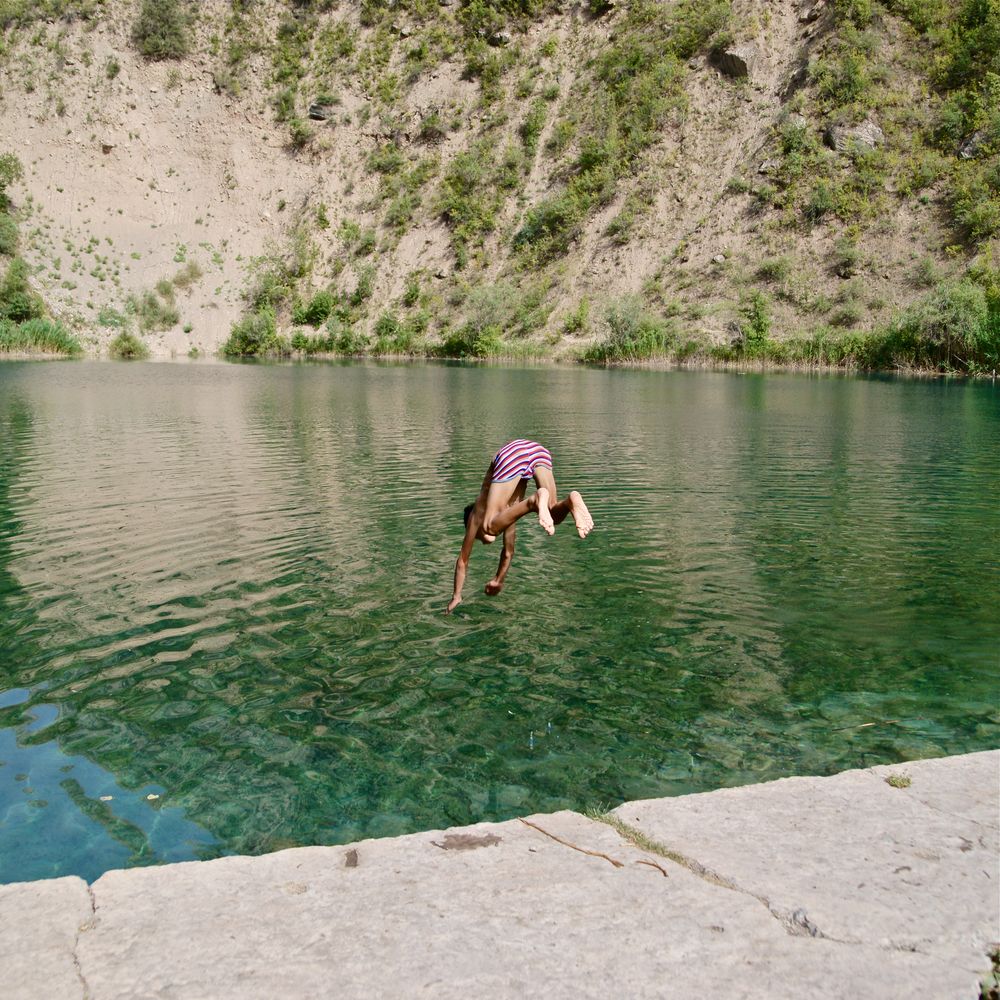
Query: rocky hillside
{"x":794,"y":181}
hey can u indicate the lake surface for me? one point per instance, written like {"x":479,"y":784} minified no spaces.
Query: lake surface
{"x":221,"y":590}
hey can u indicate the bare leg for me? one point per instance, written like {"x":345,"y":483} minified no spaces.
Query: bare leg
{"x":573,"y":504}
{"x":505,"y":504}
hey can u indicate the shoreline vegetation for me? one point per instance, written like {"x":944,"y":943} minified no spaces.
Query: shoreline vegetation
{"x":557,"y":178}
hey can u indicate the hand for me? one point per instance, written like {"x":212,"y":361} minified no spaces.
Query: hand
{"x":494,"y":587}
{"x":452,"y":604}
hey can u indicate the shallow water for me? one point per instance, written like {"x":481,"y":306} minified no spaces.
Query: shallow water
{"x":222,"y":585}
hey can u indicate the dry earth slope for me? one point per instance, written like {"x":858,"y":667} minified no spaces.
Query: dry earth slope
{"x":174,"y":196}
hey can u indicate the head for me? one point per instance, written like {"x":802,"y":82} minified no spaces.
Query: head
{"x":485,"y":538}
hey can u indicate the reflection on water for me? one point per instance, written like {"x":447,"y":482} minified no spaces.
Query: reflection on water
{"x":223,"y":585}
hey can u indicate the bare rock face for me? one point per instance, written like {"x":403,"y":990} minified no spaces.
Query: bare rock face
{"x":842,"y":138}
{"x":810,"y":11}
{"x":738,"y":61}
{"x":320,"y":112}
{"x":969,"y":149}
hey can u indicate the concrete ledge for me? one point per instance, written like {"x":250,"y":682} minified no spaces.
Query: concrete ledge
{"x":808,"y":887}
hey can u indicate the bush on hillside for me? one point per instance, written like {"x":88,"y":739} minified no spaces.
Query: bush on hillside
{"x":954,"y":326}
{"x":634,"y":334}
{"x":18,"y":301}
{"x":11,"y":171}
{"x":469,"y":342}
{"x":126,"y":346}
{"x":255,"y":335}
{"x":8,"y":236}
{"x":162,"y":29}
{"x":316,"y":311}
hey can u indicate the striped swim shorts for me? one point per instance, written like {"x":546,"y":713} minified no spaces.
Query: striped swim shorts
{"x":517,"y":460}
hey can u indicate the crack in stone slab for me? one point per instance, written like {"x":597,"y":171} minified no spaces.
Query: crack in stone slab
{"x":85,"y":926}
{"x":796,"y":923}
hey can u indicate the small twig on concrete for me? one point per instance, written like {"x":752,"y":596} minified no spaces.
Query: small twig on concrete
{"x":566,"y":843}
{"x":653,"y":864}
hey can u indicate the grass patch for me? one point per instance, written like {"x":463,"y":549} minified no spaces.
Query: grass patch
{"x":162,"y":29}
{"x":37,"y":336}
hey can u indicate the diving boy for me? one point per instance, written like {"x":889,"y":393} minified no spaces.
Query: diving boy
{"x":501,"y":503}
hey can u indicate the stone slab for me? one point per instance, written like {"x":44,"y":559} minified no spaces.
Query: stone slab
{"x":39,"y":925}
{"x":898,"y":884}
{"x":493,"y":910}
{"x":908,"y":869}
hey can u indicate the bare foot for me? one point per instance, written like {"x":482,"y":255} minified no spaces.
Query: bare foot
{"x":544,"y":517}
{"x":584,"y":522}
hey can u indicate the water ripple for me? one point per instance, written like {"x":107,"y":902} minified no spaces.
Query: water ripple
{"x":222,"y":586}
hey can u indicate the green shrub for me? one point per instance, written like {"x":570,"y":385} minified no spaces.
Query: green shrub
{"x":576,"y":320}
{"x":926,"y":274}
{"x":316,"y":311}
{"x":11,"y":171}
{"x":468,"y":199}
{"x":345,"y":338}
{"x":842,"y":81}
{"x":856,"y":12}
{"x":18,"y":301}
{"x":299,"y":133}
{"x":364,"y":287}
{"x":37,"y":336}
{"x":8,"y":235}
{"x":411,"y":292}
{"x":126,"y":346}
{"x":531,"y":128}
{"x":775,"y":269}
{"x":469,"y":341}
{"x":755,"y":326}
{"x":367,"y":243}
{"x":849,"y":314}
{"x":154,"y":310}
{"x":162,"y":29}
{"x":954,"y":326}
{"x":386,"y":159}
{"x":392,"y":335}
{"x":633,"y":334}
{"x":975,"y":199}
{"x":108,"y":316}
{"x":820,"y":202}
{"x":846,"y":257}
{"x":552,"y":225}
{"x":255,"y":335}
{"x":187,"y":275}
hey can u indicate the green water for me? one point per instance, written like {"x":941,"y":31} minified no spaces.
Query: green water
{"x":222,"y":585}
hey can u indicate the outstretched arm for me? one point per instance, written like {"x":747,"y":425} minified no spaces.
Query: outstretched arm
{"x":506,"y":558}
{"x":461,"y":565}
